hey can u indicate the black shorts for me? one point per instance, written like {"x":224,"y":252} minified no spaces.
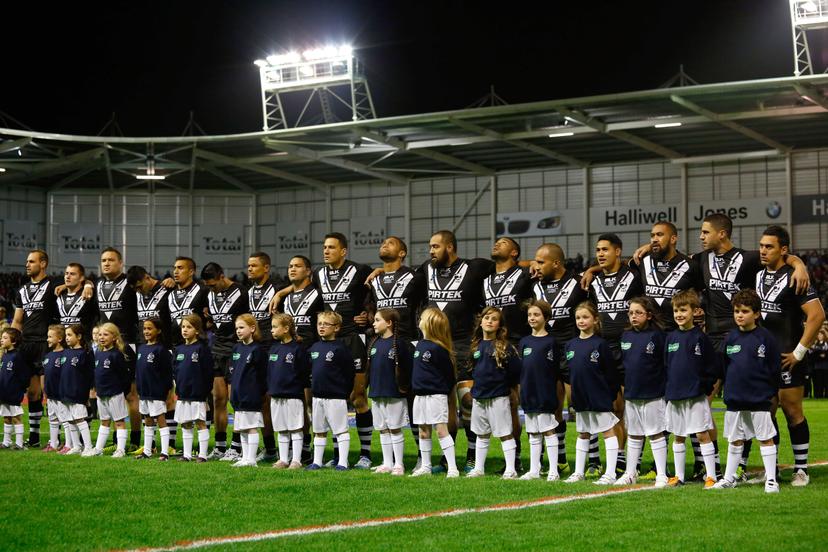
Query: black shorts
{"x":355,"y":344}
{"x":221,"y":367}
{"x":615,"y":348}
{"x":34,"y":352}
{"x":794,"y":378}
{"x":462,"y":361}
{"x":563,"y":368}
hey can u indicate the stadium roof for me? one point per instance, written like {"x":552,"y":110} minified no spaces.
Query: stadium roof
{"x":717,"y":121}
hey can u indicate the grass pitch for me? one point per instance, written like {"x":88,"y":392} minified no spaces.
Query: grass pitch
{"x":52,"y":502}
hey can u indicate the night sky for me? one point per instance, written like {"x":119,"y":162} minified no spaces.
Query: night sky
{"x":66,"y":69}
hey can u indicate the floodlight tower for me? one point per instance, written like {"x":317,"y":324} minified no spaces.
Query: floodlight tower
{"x":806,"y":15}
{"x":328,"y":74}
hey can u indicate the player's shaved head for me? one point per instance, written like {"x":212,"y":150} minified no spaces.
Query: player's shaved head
{"x":553,"y":250}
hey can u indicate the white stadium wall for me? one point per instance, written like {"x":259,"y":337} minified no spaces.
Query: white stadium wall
{"x":22,"y":223}
{"x":151,"y":229}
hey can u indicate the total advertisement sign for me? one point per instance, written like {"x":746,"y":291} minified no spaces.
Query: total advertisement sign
{"x":80,"y":243}
{"x":292,"y":238}
{"x":366,"y":236}
{"x":220,"y":243}
{"x":20,"y":237}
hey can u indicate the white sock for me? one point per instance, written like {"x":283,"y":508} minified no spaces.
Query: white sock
{"x":425,"y":452}
{"x":203,"y":442}
{"x":387,"y":450}
{"x":18,"y":434}
{"x":164,"y":432}
{"x":734,"y":455}
{"x":319,"y":444}
{"x":343,"y":444}
{"x":121,"y":438}
{"x":634,"y":447}
{"x":67,"y":435}
{"x":296,"y":443}
{"x":769,"y":460}
{"x":552,"y":452}
{"x":149,"y":438}
{"x":398,"y":448}
{"x":54,"y":434}
{"x":244,"y":443}
{"x":581,"y":451}
{"x":284,"y":447}
{"x":187,"y":438}
{"x":480,"y":453}
{"x":679,"y":453}
{"x":535,"y":447}
{"x":659,"y":448}
{"x":252,"y":447}
{"x":447,"y":446}
{"x":611,"y":451}
{"x":74,"y":436}
{"x":86,"y":435}
{"x":708,"y":451}
{"x":103,"y":435}
{"x":8,"y":431}
{"x":509,"y":447}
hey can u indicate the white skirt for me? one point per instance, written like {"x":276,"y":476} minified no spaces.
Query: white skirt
{"x":491,"y":417}
{"x":431,"y":409}
{"x":190,"y":411}
{"x":287,"y":414}
{"x":645,"y":417}
{"x":389,"y":413}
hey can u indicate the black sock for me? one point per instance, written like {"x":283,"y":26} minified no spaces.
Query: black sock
{"x":307,"y":455}
{"x":621,"y":463}
{"x":698,"y":459}
{"x":365,"y":429}
{"x":471,"y":438}
{"x":173,"y":425}
{"x":335,"y":450}
{"x":561,"y":431}
{"x":221,"y":441}
{"x":236,"y":443}
{"x":135,"y":437}
{"x":269,"y":444}
{"x":800,"y":443}
{"x":746,"y":453}
{"x":35,"y":415}
{"x":594,"y":451}
{"x":718,"y":461}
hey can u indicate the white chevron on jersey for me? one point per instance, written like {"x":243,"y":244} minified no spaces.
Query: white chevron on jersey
{"x":453,"y":285}
{"x":225,"y":307}
{"x":505,"y":288}
{"x":671,"y":280}
{"x":343,"y":282}
{"x":114,"y":295}
{"x":564,"y":292}
{"x":38,"y":295}
{"x":261,"y":306}
{"x":619,"y":290}
{"x":304,"y":305}
{"x":151,"y":305}
{"x":769,"y":294}
{"x":398,"y":288}
{"x":728,"y":277}
{"x":179,"y":310}
{"x":73,"y":310}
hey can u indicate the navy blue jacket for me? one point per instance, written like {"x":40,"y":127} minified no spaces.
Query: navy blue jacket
{"x":432,"y":372}
{"x":692,"y":364}
{"x":593,"y":375}
{"x":248,"y":367}
{"x":193,"y":371}
{"x":153,"y":372}
{"x":288,"y":370}
{"x":15,"y":374}
{"x":382,"y":372}
{"x":752,"y":367}
{"x":332,"y":370}
{"x":111,"y":376}
{"x":52,"y":363}
{"x":489,"y":380}
{"x":642,"y":353}
{"x":538,"y":374}
{"x":77,"y":376}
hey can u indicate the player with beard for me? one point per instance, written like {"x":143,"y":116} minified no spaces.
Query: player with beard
{"x":784,"y":313}
{"x":665,"y":271}
{"x":611,"y":291}
{"x":226,"y":300}
{"x":151,"y":304}
{"x":561,"y":289}
{"x":72,"y":307}
{"x":455,"y":286}
{"x":508,"y":288}
{"x":35,"y":308}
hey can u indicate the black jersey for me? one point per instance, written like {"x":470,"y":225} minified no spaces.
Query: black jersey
{"x":258,"y":298}
{"x":782,"y":307}
{"x":154,"y":305}
{"x":39,"y":304}
{"x":457,"y":290}
{"x":723,"y":276}
{"x":343,"y":291}
{"x":611,"y":294}
{"x":663,"y":279}
{"x":183,"y":301}
{"x":508,"y":291}
{"x":74,"y":309}
{"x":116,"y":304}
{"x":224,"y":307}
{"x":403,"y":291}
{"x":563,"y":295}
{"x":303,"y":306}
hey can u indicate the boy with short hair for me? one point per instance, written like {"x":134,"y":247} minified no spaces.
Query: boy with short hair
{"x":332,"y":380}
{"x":752,"y":367}
{"x":692,"y":369}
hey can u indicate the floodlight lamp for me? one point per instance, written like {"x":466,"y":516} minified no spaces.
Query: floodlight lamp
{"x":561,"y":134}
{"x":346,"y":50}
{"x":260,"y":63}
{"x":306,"y":70}
{"x":2,"y":169}
{"x":667,"y":125}
{"x":150,"y":176}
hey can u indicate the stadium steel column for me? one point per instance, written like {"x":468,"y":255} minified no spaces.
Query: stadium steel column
{"x":407,"y":213}
{"x":683,"y":218}
{"x":493,"y":217}
{"x":789,"y":193}
{"x":587,"y":175}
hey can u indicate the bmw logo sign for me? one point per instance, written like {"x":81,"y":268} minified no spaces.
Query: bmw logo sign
{"x":774,"y":209}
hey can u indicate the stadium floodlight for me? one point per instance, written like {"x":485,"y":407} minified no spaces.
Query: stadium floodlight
{"x":2,"y":169}
{"x":314,"y":71}
{"x":150,"y":176}
{"x":667,"y":125}
{"x":806,"y":15}
{"x":561,"y":134}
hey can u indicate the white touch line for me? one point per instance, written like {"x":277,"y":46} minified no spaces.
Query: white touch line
{"x":337,"y":527}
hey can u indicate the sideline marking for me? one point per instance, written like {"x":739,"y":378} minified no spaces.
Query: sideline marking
{"x":360,"y":524}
